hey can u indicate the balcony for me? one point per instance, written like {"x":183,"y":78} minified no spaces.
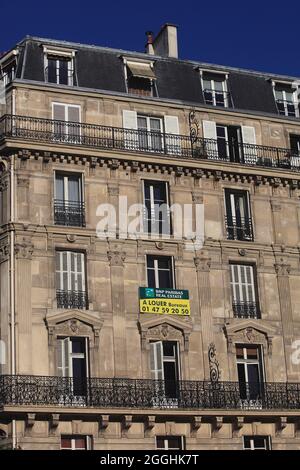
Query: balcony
{"x":25,"y":390}
{"x":72,"y":299}
{"x":69,"y":213}
{"x":246,"y":310}
{"x":151,"y":142}
{"x":239,"y":229}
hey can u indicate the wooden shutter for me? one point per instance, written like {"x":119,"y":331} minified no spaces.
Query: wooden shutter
{"x":59,"y":112}
{"x":210,"y":132}
{"x":249,"y":140}
{"x":172,"y":127}
{"x":156,"y":360}
{"x":63,"y":357}
{"x":130,"y":122}
{"x":242,"y":283}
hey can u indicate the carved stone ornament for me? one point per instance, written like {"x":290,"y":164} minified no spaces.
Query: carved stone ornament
{"x":165,"y":329}
{"x":248,"y":332}
{"x":24,"y":249}
{"x":282,"y":269}
{"x":4,"y":253}
{"x":74,"y":323}
{"x":202,"y":263}
{"x":116,"y":258}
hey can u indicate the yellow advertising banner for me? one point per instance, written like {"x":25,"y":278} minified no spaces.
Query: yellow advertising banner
{"x":165,"y":306}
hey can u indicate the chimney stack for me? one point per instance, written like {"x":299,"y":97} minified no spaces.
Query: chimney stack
{"x":149,"y":43}
{"x":165,"y":43}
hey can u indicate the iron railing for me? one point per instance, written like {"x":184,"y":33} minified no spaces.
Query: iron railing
{"x":146,"y":393}
{"x":246,"y":309}
{"x":239,"y":229}
{"x":154,"y":142}
{"x":69,"y":213}
{"x":71,"y":299}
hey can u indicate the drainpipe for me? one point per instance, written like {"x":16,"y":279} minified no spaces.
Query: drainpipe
{"x":12,"y":274}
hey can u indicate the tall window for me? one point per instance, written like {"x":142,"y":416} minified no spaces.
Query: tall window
{"x":257,"y":442}
{"x":59,"y":70}
{"x":170,"y":442}
{"x":66,"y":127}
{"x":70,"y":280}
{"x":238,"y":215}
{"x":286,"y":100}
{"x":150,"y":133}
{"x":244,"y":291}
{"x":229,"y":142}
{"x":164,"y":364}
{"x":160,"y":272}
{"x":76,"y":442}
{"x":157,"y":218}
{"x":250,"y":374}
{"x":68,"y":202}
{"x":8,"y":71}
{"x":72,"y":355}
{"x":215,"y":89}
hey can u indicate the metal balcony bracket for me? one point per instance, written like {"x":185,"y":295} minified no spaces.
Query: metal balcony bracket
{"x":196,"y":423}
{"x":216,"y":424}
{"x":280,"y":425}
{"x":237,"y":425}
{"x":103,"y":422}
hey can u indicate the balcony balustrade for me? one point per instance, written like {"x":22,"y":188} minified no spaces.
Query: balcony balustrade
{"x":246,"y":309}
{"x":71,"y":299}
{"x":69,"y":213}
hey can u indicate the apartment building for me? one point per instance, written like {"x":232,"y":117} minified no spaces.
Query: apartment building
{"x":84,"y":366}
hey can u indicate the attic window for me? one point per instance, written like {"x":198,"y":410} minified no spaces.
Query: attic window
{"x":215,"y":89}
{"x":286,"y":96}
{"x":140,"y":78}
{"x":59,"y":66}
{"x":8,"y":71}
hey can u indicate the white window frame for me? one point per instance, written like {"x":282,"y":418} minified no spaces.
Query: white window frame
{"x":232,"y":204}
{"x":67,"y":341}
{"x":66,"y":185}
{"x":69,"y":272}
{"x":252,"y":444}
{"x":213,"y":89}
{"x":152,"y":81}
{"x":152,"y":207}
{"x":242,"y":287}
{"x":225,"y":138}
{"x":60,"y":54}
{"x":156,"y":270}
{"x":246,"y":361}
{"x":88,"y":442}
{"x":166,"y":444}
{"x":66,"y":106}
{"x":149,"y":130}
{"x":285,"y":102}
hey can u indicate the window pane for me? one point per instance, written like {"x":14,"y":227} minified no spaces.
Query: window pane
{"x":218,"y":85}
{"x":59,"y":187}
{"x":80,"y":443}
{"x":51,"y":70}
{"x":63,"y":72}
{"x":66,"y":442}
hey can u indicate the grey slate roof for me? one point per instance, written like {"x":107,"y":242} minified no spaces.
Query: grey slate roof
{"x":102,"y":68}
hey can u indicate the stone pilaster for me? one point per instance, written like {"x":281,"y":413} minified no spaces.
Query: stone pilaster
{"x":116,"y":259}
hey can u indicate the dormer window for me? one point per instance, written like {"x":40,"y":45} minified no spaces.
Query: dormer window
{"x":286,"y":96}
{"x":8,"y":67}
{"x":59,"y":66}
{"x":140,"y":78}
{"x":215,"y":90}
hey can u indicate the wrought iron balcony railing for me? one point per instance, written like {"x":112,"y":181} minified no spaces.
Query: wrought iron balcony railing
{"x":239,"y":229}
{"x":246,"y":309}
{"x":145,"y":393}
{"x":71,"y":299}
{"x":69,"y":213}
{"x":153,"y":142}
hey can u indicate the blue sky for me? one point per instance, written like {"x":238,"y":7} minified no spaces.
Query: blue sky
{"x":258,"y":35}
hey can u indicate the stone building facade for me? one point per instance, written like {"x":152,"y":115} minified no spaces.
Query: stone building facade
{"x":81,"y":367}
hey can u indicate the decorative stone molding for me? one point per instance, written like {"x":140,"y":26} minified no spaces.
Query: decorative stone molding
{"x":74,"y":323}
{"x":126,"y":422}
{"x":71,"y":237}
{"x":249,"y":332}
{"x":237,"y":425}
{"x":149,"y":422}
{"x":197,"y":198}
{"x":23,"y":182}
{"x":4,"y":253}
{"x":113,"y":190}
{"x":280,"y":425}
{"x":196,"y":423}
{"x":24,"y":249}
{"x":116,"y":258}
{"x":282,"y":269}
{"x":103,"y":422}
{"x":4,"y":183}
{"x":165,"y":328}
{"x":53,"y":423}
{"x":216,"y":424}
{"x":202,"y":263}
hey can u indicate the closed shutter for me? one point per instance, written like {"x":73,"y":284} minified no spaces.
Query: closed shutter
{"x":73,"y":117}
{"x":130,"y":126}
{"x":63,"y":357}
{"x":210,"y":136}
{"x":242,"y":283}
{"x":156,"y":360}
{"x":249,"y":144}
{"x":70,"y":271}
{"x":59,"y":112}
{"x":172,"y":140}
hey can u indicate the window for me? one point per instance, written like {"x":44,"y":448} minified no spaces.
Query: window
{"x":70,"y":280}
{"x":215,"y":90}
{"x":59,"y":70}
{"x":66,"y":127}
{"x":68,"y":202}
{"x":8,"y":72}
{"x":72,"y":355}
{"x":164,"y":365}
{"x":250,"y":374}
{"x":160,"y":272}
{"x":238,"y":216}
{"x":76,"y":442}
{"x":150,"y":133}
{"x":244,"y":291}
{"x":170,"y":442}
{"x":257,"y":442}
{"x":229,"y":141}
{"x":157,"y":217}
{"x":286,"y":100}
{"x":140,"y":78}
